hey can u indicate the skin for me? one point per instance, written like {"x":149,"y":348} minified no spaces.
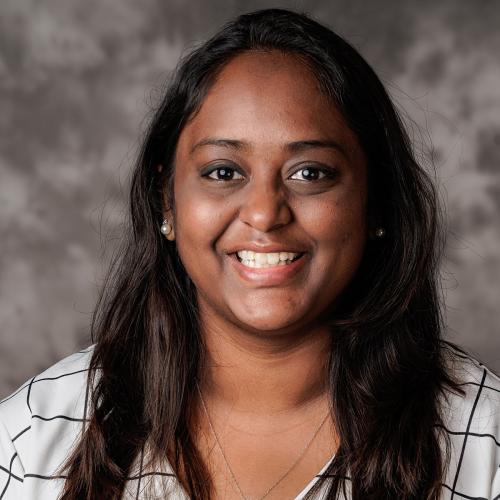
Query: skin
{"x":264,"y":382}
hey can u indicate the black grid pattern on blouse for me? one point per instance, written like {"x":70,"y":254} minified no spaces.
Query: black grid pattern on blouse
{"x":25,"y":392}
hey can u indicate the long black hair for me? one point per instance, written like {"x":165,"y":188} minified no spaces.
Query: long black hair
{"x":387,"y":369}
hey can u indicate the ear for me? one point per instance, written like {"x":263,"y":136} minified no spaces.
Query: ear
{"x":165,"y":201}
{"x":167,"y":209}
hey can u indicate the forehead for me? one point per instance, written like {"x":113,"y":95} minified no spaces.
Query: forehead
{"x":266,"y":98}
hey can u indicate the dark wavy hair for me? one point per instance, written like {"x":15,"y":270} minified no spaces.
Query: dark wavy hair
{"x":387,"y":363}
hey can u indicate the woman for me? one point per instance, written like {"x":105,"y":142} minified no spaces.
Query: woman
{"x":272,"y":328}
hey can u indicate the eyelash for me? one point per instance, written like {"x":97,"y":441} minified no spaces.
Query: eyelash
{"x":328,"y":173}
{"x":220,"y":167}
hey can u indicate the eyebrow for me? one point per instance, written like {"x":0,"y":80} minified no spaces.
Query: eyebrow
{"x":292,"y":147}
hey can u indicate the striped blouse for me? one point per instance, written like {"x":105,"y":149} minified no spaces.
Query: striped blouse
{"x":40,"y":422}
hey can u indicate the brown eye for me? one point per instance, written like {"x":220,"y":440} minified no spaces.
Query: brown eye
{"x":223,"y":173}
{"x":312,"y":174}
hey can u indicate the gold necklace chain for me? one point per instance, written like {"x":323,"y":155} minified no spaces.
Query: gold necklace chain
{"x":297,"y":460}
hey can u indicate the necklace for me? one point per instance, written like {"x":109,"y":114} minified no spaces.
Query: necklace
{"x":297,"y":460}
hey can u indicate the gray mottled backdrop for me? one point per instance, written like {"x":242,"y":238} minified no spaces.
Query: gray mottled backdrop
{"x":77,"y":80}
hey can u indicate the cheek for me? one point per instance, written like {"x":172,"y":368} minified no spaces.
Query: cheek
{"x":192,"y":212}
{"x":200,"y":218}
{"x":338,"y":229}
{"x":338,"y":222}
{"x":199,"y":223}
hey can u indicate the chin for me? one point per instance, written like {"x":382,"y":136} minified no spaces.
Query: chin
{"x":271,"y":312}
{"x":269,"y":324}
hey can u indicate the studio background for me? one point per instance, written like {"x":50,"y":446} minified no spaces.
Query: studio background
{"x":79,"y":79}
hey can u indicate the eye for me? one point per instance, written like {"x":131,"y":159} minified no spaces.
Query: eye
{"x":311,"y":173}
{"x":223,"y":173}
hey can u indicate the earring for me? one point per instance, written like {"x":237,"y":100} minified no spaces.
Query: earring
{"x":166,"y":229}
{"x":379,"y":232}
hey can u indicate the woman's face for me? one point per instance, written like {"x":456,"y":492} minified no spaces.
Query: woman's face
{"x":268,"y":170}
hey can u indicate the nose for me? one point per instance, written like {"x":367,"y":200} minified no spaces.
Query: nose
{"x":264,"y":205}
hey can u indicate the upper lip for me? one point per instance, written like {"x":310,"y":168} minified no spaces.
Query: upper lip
{"x":270,"y":248}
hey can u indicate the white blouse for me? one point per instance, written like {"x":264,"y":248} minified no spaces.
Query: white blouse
{"x":41,"y":421}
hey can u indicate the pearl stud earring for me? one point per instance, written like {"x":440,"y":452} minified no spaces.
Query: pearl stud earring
{"x":166,"y":228}
{"x":379,"y":232}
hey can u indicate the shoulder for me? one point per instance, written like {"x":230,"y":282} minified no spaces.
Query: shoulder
{"x":39,"y":424}
{"x":472,"y":422}
{"x":480,"y":403}
{"x":58,"y":387}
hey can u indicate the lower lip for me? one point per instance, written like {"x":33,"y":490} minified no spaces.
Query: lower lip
{"x":268,"y":276}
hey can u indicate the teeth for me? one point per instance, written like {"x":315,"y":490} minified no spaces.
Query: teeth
{"x":273,"y":258}
{"x":258,"y":259}
{"x":261,"y":258}
{"x":283,"y":255}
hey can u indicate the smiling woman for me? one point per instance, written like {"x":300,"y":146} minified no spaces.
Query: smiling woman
{"x":282,"y":173}
{"x":272,"y":328}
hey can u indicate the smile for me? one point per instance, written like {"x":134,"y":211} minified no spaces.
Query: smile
{"x":262,"y":260}
{"x":267,"y":269}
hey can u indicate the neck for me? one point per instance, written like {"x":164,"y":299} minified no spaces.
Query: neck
{"x":264,"y":374}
